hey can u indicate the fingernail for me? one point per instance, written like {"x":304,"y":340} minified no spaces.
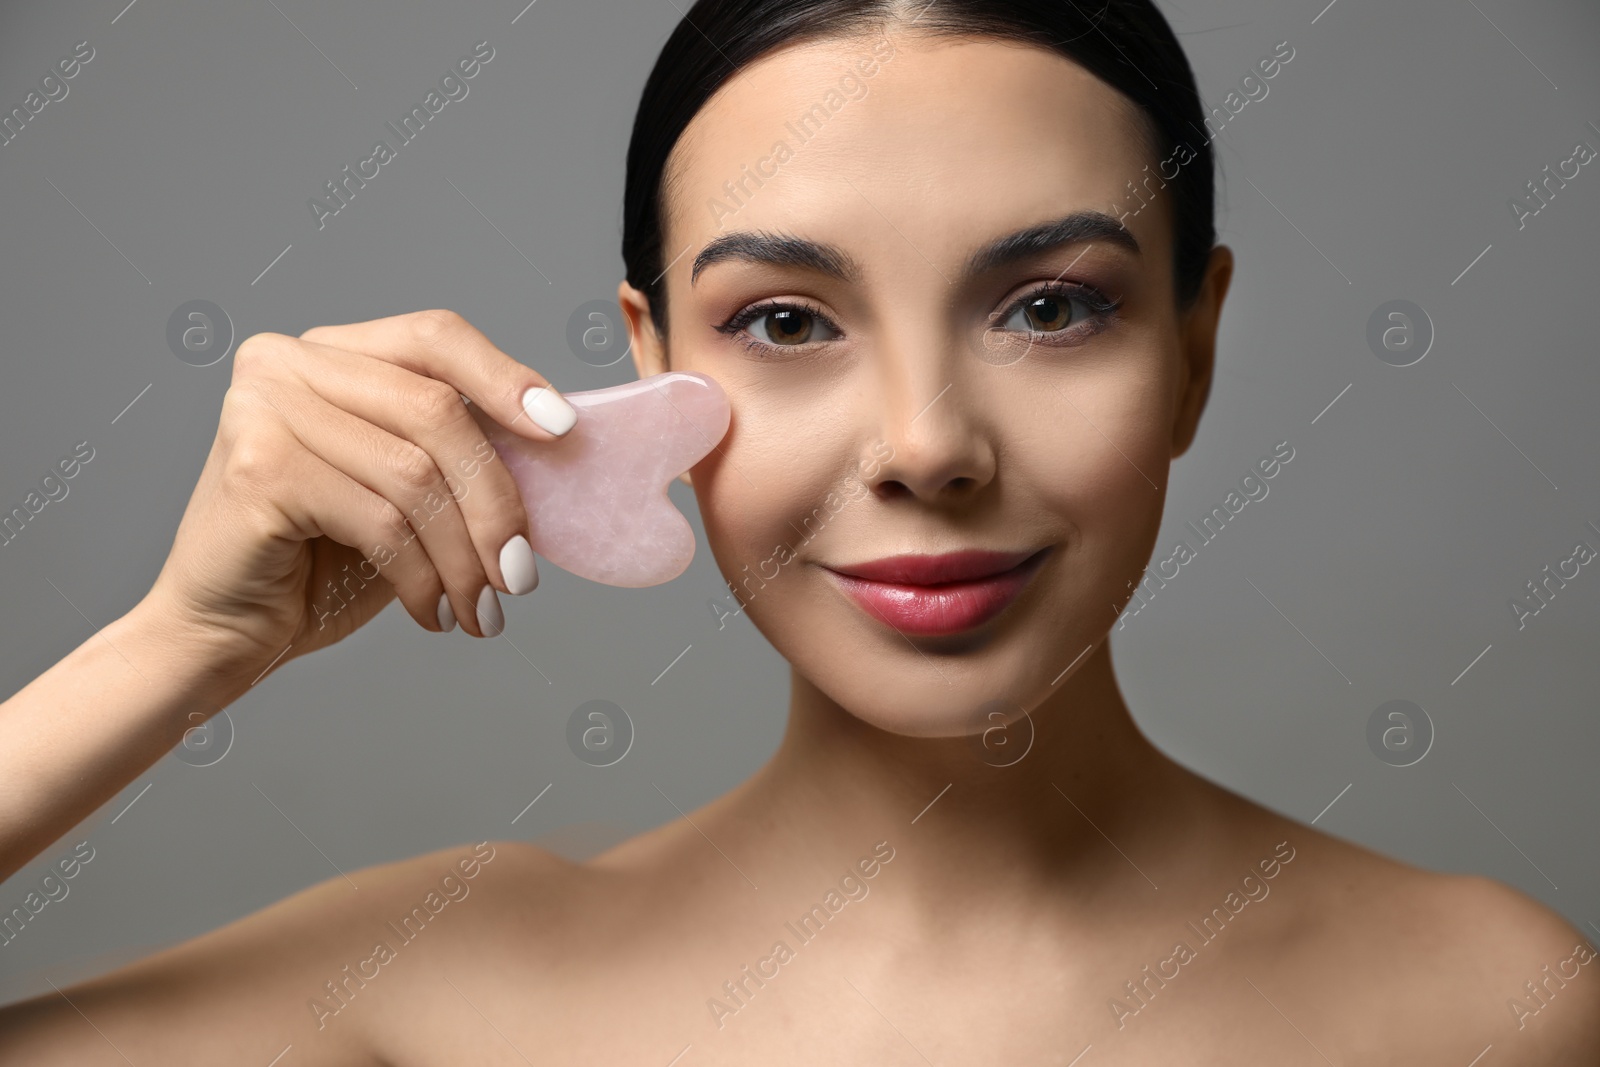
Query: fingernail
{"x":447,"y":618}
{"x":490,"y":619}
{"x":517,"y":565}
{"x":549,"y":410}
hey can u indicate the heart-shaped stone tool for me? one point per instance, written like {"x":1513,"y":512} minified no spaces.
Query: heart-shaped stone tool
{"x":597,"y":497}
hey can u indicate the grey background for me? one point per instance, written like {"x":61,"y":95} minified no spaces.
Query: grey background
{"x":180,"y":164}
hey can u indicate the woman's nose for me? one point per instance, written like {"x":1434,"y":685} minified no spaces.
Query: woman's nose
{"x":939,"y":425}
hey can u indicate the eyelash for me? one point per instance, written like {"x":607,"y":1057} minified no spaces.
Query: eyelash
{"x":1101,"y":307}
{"x":734,"y":327}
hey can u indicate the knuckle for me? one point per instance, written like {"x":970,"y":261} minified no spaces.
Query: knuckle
{"x":236,"y":404}
{"x":414,"y":467}
{"x":242,"y":408}
{"x":387,"y":520}
{"x":436,"y":327}
{"x":257,"y":352}
{"x":251,"y":461}
{"x":434,"y":403}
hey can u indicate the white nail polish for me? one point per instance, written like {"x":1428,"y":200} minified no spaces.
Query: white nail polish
{"x":517,"y":566}
{"x":447,"y":617}
{"x":549,"y":409}
{"x":490,"y":619}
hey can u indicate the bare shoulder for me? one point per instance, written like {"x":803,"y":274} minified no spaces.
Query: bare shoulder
{"x":510,"y":950}
{"x":467,"y":901}
{"x":1430,"y":963}
{"x":1526,"y":966}
{"x":326,"y":969}
{"x":405,"y":951}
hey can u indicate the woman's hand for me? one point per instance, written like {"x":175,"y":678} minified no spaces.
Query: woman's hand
{"x":347,"y":470}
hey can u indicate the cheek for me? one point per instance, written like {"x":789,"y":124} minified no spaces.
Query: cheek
{"x":792,"y":438}
{"x":773,"y":487}
{"x":1098,"y":436}
{"x":1092,"y":459}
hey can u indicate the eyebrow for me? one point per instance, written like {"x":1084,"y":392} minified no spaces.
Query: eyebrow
{"x":788,"y":251}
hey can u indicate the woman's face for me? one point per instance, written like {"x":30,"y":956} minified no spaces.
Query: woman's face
{"x":901,"y":385}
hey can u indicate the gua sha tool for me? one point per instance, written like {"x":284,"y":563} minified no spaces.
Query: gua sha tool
{"x":597,"y":497}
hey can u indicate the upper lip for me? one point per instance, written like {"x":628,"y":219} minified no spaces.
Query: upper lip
{"x":961,"y":566}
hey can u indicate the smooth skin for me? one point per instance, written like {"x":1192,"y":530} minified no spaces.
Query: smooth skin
{"x":1016,"y":901}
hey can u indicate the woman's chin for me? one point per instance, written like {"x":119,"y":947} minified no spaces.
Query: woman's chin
{"x":935,"y":711}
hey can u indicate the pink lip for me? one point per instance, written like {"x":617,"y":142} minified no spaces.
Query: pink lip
{"x":937,"y":595}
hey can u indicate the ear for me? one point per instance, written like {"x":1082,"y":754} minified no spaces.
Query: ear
{"x":645,"y":343}
{"x":1198,"y":341}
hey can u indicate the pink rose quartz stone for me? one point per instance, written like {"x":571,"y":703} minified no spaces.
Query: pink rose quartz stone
{"x":597,"y":497}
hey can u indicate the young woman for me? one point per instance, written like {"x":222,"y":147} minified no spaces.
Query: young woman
{"x":901,"y":236}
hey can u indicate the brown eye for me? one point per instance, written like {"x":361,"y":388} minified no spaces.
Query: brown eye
{"x":1047,"y":314}
{"x":1051,"y":310}
{"x":783,"y":324}
{"x":786,"y":327}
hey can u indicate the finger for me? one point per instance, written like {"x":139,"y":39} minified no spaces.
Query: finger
{"x":402,"y":473}
{"x":441,"y":344}
{"x":431,"y":414}
{"x":323,"y":501}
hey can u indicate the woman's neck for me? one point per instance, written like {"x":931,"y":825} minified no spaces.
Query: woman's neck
{"x":1089,"y":793}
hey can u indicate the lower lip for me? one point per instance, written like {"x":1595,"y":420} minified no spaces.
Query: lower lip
{"x":937,"y":610}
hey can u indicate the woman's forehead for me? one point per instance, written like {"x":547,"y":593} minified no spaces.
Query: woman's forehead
{"x":939,"y":131}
